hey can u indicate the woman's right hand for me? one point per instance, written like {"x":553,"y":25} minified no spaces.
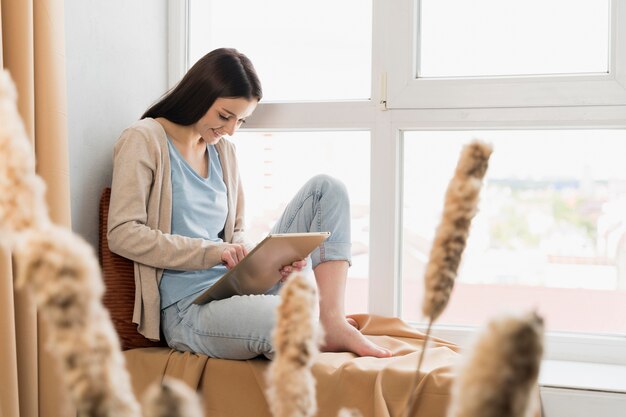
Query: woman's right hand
{"x":233,"y":254}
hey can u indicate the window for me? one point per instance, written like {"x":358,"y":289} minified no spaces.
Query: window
{"x":512,"y":38}
{"x":402,"y":85}
{"x":298,"y":49}
{"x":552,"y":237}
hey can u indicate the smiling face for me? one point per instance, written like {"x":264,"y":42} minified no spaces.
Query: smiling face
{"x":223,"y":118}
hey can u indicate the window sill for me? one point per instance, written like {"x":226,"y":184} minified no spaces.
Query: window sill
{"x":583,"y":376}
{"x":569,"y":348}
{"x":582,"y":389}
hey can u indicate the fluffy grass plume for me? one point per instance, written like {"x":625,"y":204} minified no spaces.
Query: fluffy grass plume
{"x":502,"y":369}
{"x":61,"y":271}
{"x":291,"y":390}
{"x":22,"y":204}
{"x":460,"y":205}
{"x":171,"y":398}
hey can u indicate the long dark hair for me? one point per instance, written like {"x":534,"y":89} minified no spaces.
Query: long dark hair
{"x":223,"y":72}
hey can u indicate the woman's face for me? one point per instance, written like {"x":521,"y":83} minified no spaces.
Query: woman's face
{"x":223,"y":118}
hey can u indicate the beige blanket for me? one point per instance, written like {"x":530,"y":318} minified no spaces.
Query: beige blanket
{"x":377,"y":387}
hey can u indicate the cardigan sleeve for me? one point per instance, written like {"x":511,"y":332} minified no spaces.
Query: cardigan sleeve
{"x":137,"y":172}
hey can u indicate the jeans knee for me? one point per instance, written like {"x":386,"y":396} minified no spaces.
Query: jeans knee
{"x":328,"y":184}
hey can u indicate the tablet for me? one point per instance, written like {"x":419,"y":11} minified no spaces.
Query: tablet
{"x":259,"y":271}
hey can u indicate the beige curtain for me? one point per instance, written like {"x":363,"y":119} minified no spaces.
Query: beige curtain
{"x":33,"y":50}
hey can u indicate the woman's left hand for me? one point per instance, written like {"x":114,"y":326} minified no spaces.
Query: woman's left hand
{"x":288,"y":269}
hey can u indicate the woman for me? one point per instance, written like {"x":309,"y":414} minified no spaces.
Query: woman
{"x":177,"y":210}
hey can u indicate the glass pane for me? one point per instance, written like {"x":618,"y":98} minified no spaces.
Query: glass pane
{"x":274,"y":165}
{"x":550,"y":232}
{"x":513,"y":37}
{"x":303,"y":51}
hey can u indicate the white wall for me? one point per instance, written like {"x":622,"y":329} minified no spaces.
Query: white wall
{"x":116,"y":54}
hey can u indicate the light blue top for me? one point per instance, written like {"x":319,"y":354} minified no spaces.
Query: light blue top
{"x":199,"y":209}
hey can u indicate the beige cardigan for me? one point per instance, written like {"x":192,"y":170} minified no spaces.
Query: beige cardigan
{"x":140,"y":215}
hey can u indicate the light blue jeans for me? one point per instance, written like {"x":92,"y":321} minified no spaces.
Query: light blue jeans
{"x":241,"y":327}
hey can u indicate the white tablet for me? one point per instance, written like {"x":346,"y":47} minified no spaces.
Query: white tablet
{"x":259,"y":271}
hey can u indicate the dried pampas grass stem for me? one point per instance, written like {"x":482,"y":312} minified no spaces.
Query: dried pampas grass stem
{"x":172,"y":398}
{"x":291,"y":391}
{"x":502,"y":369}
{"x":22,"y":203}
{"x":460,"y":205}
{"x":61,"y":271}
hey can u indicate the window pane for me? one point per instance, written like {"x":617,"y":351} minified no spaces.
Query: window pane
{"x":550,"y":233}
{"x":275,"y":165}
{"x":513,"y":37}
{"x":302,"y":50}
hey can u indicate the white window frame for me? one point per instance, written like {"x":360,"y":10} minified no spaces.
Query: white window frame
{"x":407,"y":91}
{"x":559,"y":345}
{"x":392,"y":110}
{"x":177,"y":40}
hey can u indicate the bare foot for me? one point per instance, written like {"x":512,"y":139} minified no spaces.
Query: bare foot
{"x":341,"y":336}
